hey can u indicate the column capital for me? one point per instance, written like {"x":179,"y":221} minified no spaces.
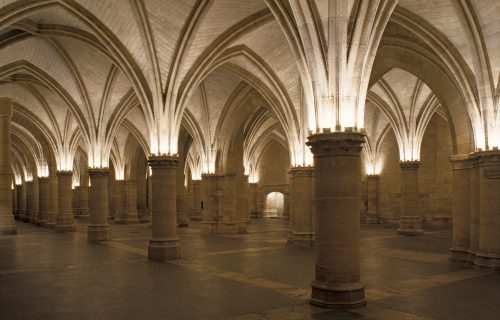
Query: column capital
{"x":336,"y":143}
{"x":459,"y":162}
{"x":163,"y":161}
{"x":301,"y":171}
{"x":210,"y":175}
{"x":411,"y":165}
{"x":372,"y":176}
{"x":64,"y":173}
{"x":491,"y":157}
{"x":98,"y":171}
{"x":43,"y":179}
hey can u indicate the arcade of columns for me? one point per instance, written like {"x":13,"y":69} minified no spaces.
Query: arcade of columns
{"x":323,"y":199}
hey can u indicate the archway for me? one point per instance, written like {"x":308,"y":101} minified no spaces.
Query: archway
{"x":275,"y":204}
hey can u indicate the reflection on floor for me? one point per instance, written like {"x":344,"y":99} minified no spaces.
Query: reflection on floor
{"x":44,"y":275}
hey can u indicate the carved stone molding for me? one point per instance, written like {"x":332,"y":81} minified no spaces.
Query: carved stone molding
{"x":336,"y":143}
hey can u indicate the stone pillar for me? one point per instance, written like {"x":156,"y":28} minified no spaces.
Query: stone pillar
{"x":83,"y":197}
{"x":181,"y":200}
{"x":241,"y":202}
{"x":149,"y":212}
{"x":65,"y":220}
{"x":337,"y":180}
{"x":302,"y":206}
{"x":99,"y":205}
{"x":488,"y":255}
{"x":462,"y":167}
{"x":142,"y":207}
{"x":20,"y":205}
{"x":29,"y":201}
{"x":36,"y":205}
{"x":410,"y":223}
{"x":164,"y":244}
{"x":120,"y":200}
{"x":54,"y":201}
{"x":44,"y":201}
{"x":195,"y":211}
{"x":14,"y":201}
{"x":211,"y":196}
{"x":372,"y":195}
{"x":252,"y":200}
{"x":127,"y":214}
{"x":24,"y":205}
{"x":76,"y":202}
{"x":286,"y":204}
{"x":7,"y":223}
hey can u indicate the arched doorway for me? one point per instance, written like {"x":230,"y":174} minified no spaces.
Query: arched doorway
{"x":274,"y":205}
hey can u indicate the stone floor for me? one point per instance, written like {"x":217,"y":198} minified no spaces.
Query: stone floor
{"x":44,"y":275}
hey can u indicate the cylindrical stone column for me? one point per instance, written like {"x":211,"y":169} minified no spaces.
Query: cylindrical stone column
{"x":7,"y":223}
{"x":54,"y":202}
{"x":98,"y":229}
{"x":164,"y":244}
{"x":36,"y":204}
{"x":149,"y":212}
{"x":14,"y":202}
{"x":120,"y":200}
{"x":410,"y":221}
{"x":83,"y":197}
{"x":302,"y":213}
{"x":76,"y":202}
{"x":131,"y":214}
{"x":372,"y":196}
{"x":211,"y":196}
{"x":462,"y":166}
{"x":252,"y":200}
{"x":29,"y":201}
{"x":44,"y":201}
{"x":337,"y":181}
{"x":195,"y":211}
{"x":489,"y":210}
{"x":19,"y":198}
{"x":24,"y":205}
{"x":241,"y":203}
{"x":65,"y":221}
{"x":182,"y":219}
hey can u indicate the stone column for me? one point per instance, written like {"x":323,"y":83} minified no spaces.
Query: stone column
{"x":195,"y":211}
{"x":24,"y":205}
{"x":410,"y":221}
{"x":241,"y":202}
{"x":488,"y":254}
{"x":211,"y":196}
{"x":44,"y":201}
{"x":29,"y":202}
{"x":182,"y":219}
{"x":302,"y":206}
{"x":14,"y":201}
{"x":337,"y":176}
{"x":120,"y":200}
{"x":372,"y":195}
{"x":252,"y":200}
{"x":462,"y":166}
{"x":76,"y":202}
{"x":99,"y":205}
{"x":7,"y":223}
{"x":228,"y":224}
{"x":36,"y":205}
{"x":126,"y":212}
{"x":164,"y":244}
{"x":149,"y":213}
{"x":83,"y":197}
{"x":65,"y":221}
{"x":19,"y":198}
{"x":54,"y":201}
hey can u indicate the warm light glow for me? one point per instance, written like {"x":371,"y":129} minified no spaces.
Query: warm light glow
{"x":494,"y":137}
{"x":28,"y":177}
{"x":43,"y":169}
{"x":253,"y":177}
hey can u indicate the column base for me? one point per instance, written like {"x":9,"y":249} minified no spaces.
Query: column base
{"x":242,"y":227}
{"x":370,"y":220}
{"x":6,"y":230}
{"x":209,"y":228}
{"x":164,"y":249}
{"x":98,"y":233}
{"x":127,"y":218}
{"x":475,"y":258}
{"x":65,"y":228}
{"x":50,"y":225}
{"x":329,"y":296}
{"x":195,"y":215}
{"x":410,"y":226}
{"x":65,"y":223}
{"x":33,"y":220}
{"x":41,"y":223}
{"x":301,"y":239}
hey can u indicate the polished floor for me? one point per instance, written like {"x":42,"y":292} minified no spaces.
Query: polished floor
{"x":44,"y":275}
